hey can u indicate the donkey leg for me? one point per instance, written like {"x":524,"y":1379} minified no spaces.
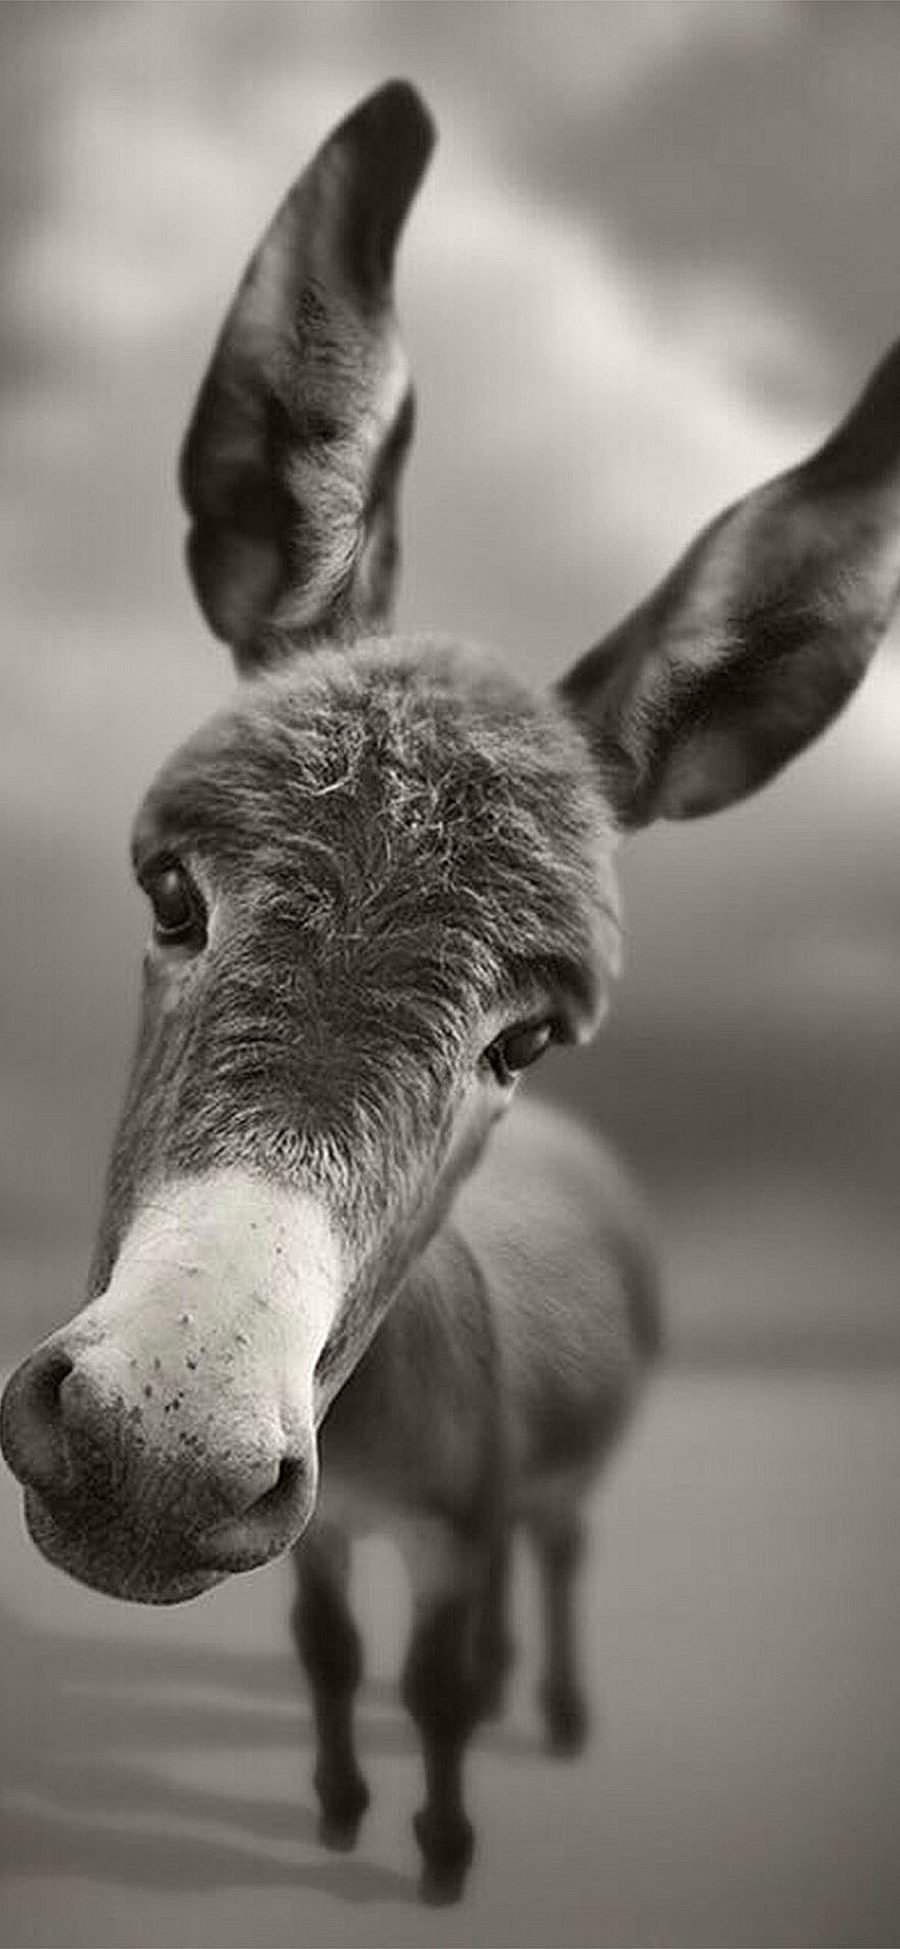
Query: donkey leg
{"x":331,"y":1652}
{"x":442,"y":1692}
{"x":494,"y":1648}
{"x":559,"y":1542}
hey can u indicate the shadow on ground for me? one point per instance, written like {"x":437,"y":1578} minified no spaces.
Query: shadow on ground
{"x":88,"y":1728}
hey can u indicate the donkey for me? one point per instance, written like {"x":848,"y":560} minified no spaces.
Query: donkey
{"x":382,"y":885}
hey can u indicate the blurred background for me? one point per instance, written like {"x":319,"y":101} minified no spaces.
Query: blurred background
{"x":655,"y":259}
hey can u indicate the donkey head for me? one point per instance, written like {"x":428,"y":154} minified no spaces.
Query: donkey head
{"x":381,"y":884}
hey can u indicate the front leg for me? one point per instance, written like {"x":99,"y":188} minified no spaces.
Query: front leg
{"x":559,"y":1542}
{"x":444,"y":1695}
{"x":494,"y":1648}
{"x":331,"y":1651}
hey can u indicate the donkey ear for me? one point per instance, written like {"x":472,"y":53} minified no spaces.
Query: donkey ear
{"x":759,"y":635}
{"x":291,"y":465}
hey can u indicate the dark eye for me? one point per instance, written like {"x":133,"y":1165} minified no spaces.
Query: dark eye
{"x":179,"y":919}
{"x":518,"y":1047}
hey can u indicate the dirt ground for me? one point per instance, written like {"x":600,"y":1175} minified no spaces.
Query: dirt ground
{"x":740,"y":1617}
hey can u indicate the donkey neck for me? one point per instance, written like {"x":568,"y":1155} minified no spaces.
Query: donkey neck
{"x":418,"y":1422}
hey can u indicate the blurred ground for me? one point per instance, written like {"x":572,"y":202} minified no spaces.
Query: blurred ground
{"x":742,"y":1788}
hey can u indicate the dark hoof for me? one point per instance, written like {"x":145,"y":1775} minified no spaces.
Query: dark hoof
{"x":341,"y":1815}
{"x":447,"y":1849}
{"x":441,"y":1887}
{"x":567,"y":1723}
{"x":338,"y":1832}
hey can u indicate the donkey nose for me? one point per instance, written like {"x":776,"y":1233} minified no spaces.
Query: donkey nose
{"x":32,"y":1430}
{"x":66,"y":1422}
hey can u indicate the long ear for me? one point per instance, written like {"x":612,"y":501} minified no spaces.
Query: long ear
{"x":291,"y":465}
{"x":760,"y":634}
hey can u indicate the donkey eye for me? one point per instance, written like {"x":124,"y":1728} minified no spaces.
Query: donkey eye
{"x":179,"y":918}
{"x":517,"y":1048}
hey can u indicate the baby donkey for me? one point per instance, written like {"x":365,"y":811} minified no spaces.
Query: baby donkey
{"x":382,"y":884}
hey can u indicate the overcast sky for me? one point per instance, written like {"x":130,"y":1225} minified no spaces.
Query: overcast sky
{"x":656,"y":255}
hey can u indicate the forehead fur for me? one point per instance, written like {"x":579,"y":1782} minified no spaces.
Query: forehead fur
{"x":410,"y":807}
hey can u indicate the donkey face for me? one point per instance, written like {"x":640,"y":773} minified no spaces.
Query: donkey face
{"x":379,"y":890}
{"x":381,"y":883}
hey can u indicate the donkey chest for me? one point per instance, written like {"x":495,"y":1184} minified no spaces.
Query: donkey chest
{"x":351,"y":1500}
{"x":417,"y":1426}
{"x":382,"y":1479}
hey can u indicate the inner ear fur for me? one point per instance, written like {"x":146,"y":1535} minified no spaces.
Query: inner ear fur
{"x":760,"y":634}
{"x":291,"y":466}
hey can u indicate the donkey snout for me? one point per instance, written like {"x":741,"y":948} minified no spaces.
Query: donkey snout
{"x":136,"y":1484}
{"x":86,"y":1416}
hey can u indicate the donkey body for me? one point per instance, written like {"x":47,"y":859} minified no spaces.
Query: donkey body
{"x":382,"y":884}
{"x":503,"y":1373}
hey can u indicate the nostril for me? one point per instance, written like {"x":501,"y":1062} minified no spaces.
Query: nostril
{"x":31,"y":1421}
{"x":275,"y":1502}
{"x":270,"y":1524}
{"x":50,"y":1372}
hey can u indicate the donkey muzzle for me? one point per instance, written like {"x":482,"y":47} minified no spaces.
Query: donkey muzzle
{"x":165,"y":1439}
{"x":148,"y":1502}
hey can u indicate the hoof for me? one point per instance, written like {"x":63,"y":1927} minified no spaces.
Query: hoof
{"x":441,"y":1887}
{"x":447,"y":1851}
{"x":567,"y":1724}
{"x":339,"y":1832}
{"x":341,"y":1816}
